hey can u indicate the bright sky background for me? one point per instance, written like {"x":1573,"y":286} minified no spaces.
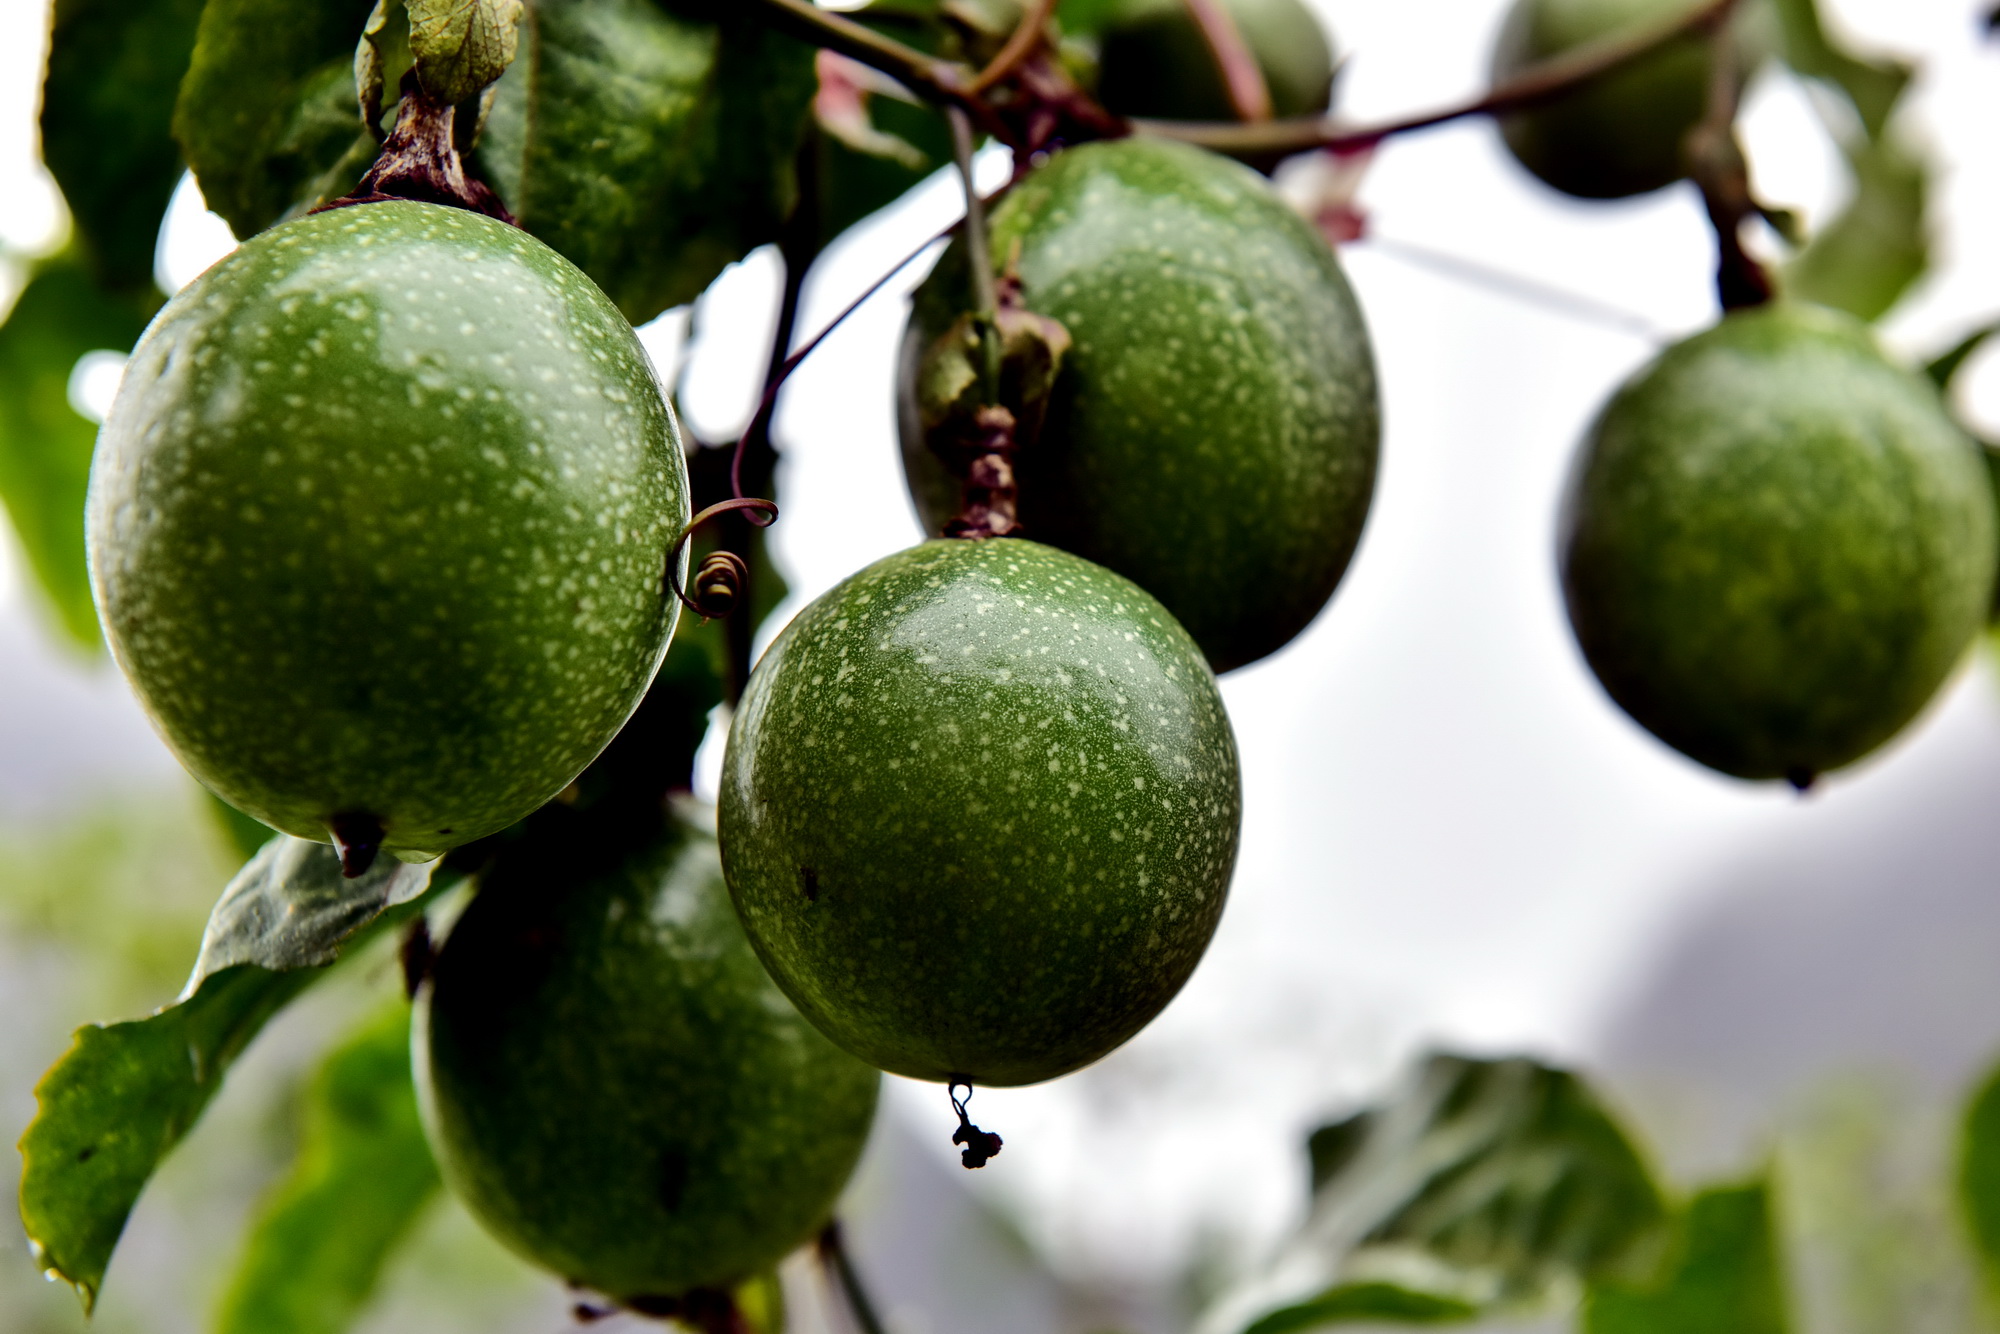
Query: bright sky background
{"x":1451,"y":835}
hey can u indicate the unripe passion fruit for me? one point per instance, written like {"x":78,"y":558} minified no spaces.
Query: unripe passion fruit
{"x":1212,"y":435}
{"x":378,"y":523}
{"x":1615,"y":136}
{"x":979,"y":811}
{"x":614,"y":1086}
{"x":1154,"y":60}
{"x":1777,"y":544}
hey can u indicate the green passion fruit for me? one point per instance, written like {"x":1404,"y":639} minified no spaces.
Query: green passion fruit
{"x":613,"y":1084}
{"x":1776,"y":544}
{"x":1153,"y":59}
{"x":378,"y":523}
{"x":979,"y":811}
{"x":1213,"y":432}
{"x":1615,"y":136}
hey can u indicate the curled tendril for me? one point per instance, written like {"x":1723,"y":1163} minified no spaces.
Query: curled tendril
{"x":719,"y":580}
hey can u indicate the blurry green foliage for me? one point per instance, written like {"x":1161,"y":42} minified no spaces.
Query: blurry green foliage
{"x":1863,"y":260}
{"x":1979,"y":1175}
{"x":45,"y":443}
{"x":362,"y":1176}
{"x":107,"y":136}
{"x":1383,"y":1303}
{"x":1723,"y":1277}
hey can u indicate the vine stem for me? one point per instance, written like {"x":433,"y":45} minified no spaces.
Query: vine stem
{"x":1242,"y":76}
{"x":1715,"y":161}
{"x":1537,"y":84}
{"x":1026,"y":36}
{"x":840,"y":1268}
{"x":952,"y":84}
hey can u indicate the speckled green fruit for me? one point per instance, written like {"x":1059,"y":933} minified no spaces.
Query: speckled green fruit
{"x":1213,"y":433}
{"x":979,"y":811}
{"x":616,"y":1089}
{"x":1777,"y":544}
{"x":378,"y":521}
{"x":1620,"y":135}
{"x":1154,"y":61}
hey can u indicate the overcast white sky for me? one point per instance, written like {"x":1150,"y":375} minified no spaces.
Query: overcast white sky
{"x":1451,"y":835}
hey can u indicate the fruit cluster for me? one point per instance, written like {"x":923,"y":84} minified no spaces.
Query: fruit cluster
{"x":388,"y":524}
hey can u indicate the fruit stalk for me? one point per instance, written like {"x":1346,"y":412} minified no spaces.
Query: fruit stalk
{"x":832,"y":1247}
{"x":991,"y":508}
{"x":1241,"y":74}
{"x":420,"y":161}
{"x":1716,"y":164}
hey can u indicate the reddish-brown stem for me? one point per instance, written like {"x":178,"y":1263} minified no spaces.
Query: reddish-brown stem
{"x":1242,"y":76}
{"x":1026,"y":37}
{"x":420,"y":161}
{"x":1538,"y":84}
{"x":1715,"y":161}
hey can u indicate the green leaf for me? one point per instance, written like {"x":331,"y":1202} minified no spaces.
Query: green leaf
{"x":363,"y":1174}
{"x":1383,"y":1303}
{"x":1979,"y":1175}
{"x":45,"y":444}
{"x":291,"y":907}
{"x":107,"y":109}
{"x":460,"y":46}
{"x":1489,"y":1180}
{"x":123,"y":1096}
{"x":117,"y":1102}
{"x":267,"y":114}
{"x":1866,"y":258}
{"x":871,"y":145}
{"x":1724,"y":1277}
{"x":1944,"y":368}
{"x":649,"y":147}
{"x":1873,"y":86}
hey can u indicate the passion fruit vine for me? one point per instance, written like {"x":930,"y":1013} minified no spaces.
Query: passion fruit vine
{"x":979,"y":811}
{"x":378,"y":524}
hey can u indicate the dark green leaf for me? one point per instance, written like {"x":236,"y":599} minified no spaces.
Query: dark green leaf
{"x":123,"y":1096}
{"x":460,"y":46}
{"x":1943,"y":369}
{"x":363,"y":1174}
{"x":1332,"y":1147}
{"x":1493,"y":1178}
{"x":291,"y":907}
{"x":1866,"y":258}
{"x":113,"y":1106}
{"x":1724,"y":1277}
{"x":44,"y":444}
{"x":107,"y":113}
{"x":1383,"y":1303}
{"x":268,"y":114}
{"x":1872,"y":85}
{"x":1979,"y":1175}
{"x":649,"y":147}
{"x":870,"y":146}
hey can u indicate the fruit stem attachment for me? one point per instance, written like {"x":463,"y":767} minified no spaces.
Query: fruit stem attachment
{"x":1539,"y":83}
{"x":710,"y":1310}
{"x":981,"y":1146}
{"x":832,"y":1248}
{"x":420,"y":161}
{"x":1715,"y":161}
{"x":357,"y":837}
{"x":718,"y":583}
{"x":1242,"y":76}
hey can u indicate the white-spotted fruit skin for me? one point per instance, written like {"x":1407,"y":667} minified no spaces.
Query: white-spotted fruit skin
{"x":979,"y":811}
{"x":378,"y":521}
